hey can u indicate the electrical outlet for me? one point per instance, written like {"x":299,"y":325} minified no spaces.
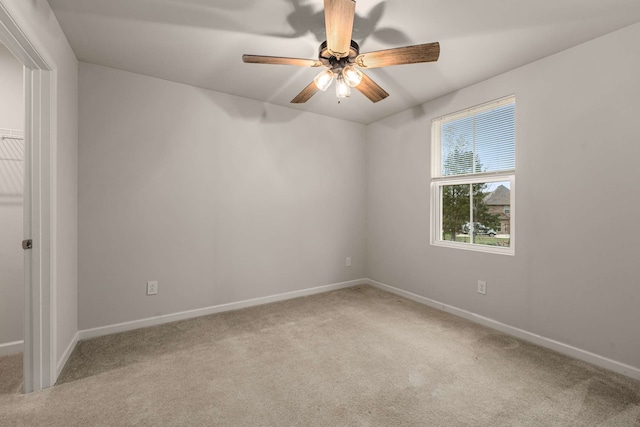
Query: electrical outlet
{"x":482,"y":287}
{"x":152,"y":288}
{"x":348,"y":261}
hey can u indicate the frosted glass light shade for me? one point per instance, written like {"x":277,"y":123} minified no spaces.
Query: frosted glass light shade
{"x":352,"y":75}
{"x":342,"y":88}
{"x":323,"y":80}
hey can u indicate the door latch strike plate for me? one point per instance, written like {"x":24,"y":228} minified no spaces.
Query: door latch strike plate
{"x":27,"y":244}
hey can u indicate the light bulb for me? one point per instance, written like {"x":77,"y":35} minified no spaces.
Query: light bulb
{"x":323,"y":80}
{"x":352,"y":75}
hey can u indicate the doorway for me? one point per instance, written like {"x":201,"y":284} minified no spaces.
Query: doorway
{"x":11,"y":223}
{"x":39,"y":331}
{"x":11,"y":256}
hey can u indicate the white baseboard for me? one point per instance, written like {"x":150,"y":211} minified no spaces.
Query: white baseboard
{"x":159,"y":320}
{"x":586,"y":356}
{"x":66,"y":354}
{"x":12,"y":347}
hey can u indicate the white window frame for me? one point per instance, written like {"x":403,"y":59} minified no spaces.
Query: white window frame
{"x":438,"y":181}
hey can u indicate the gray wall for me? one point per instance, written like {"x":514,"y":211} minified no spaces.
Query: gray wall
{"x":11,"y":180}
{"x":218,"y":198}
{"x":45,"y":33}
{"x":574,"y":277}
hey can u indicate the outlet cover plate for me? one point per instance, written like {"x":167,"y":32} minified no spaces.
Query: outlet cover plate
{"x":152,"y":288}
{"x":482,"y":287}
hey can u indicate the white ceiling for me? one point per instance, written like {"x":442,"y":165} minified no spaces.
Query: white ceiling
{"x":201,"y":42}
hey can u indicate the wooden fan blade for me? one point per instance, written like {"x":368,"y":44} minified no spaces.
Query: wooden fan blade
{"x":371,"y":89}
{"x":429,"y":52}
{"x":279,"y":60}
{"x":338,"y":19}
{"x":306,"y":94}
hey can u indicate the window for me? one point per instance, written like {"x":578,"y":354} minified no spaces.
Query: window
{"x":473,"y":178}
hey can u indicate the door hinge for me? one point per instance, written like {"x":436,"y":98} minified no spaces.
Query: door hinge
{"x":27,"y":244}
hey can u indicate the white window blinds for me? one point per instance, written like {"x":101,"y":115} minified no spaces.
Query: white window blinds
{"x":481,"y":139}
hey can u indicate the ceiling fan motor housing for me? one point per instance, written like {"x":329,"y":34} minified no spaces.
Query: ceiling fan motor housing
{"x":325,"y":56}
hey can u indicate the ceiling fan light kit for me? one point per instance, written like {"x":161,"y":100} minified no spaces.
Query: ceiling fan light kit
{"x":342,"y":59}
{"x":343,"y":69}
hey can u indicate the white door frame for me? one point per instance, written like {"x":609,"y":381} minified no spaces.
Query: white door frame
{"x":39,"y":197}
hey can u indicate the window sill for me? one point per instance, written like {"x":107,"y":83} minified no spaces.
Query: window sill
{"x":476,"y":248}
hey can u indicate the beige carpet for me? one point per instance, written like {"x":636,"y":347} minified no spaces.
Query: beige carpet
{"x":11,"y":374}
{"x":354,"y":357}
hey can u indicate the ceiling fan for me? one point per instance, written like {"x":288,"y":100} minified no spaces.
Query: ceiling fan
{"x":342,"y":59}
